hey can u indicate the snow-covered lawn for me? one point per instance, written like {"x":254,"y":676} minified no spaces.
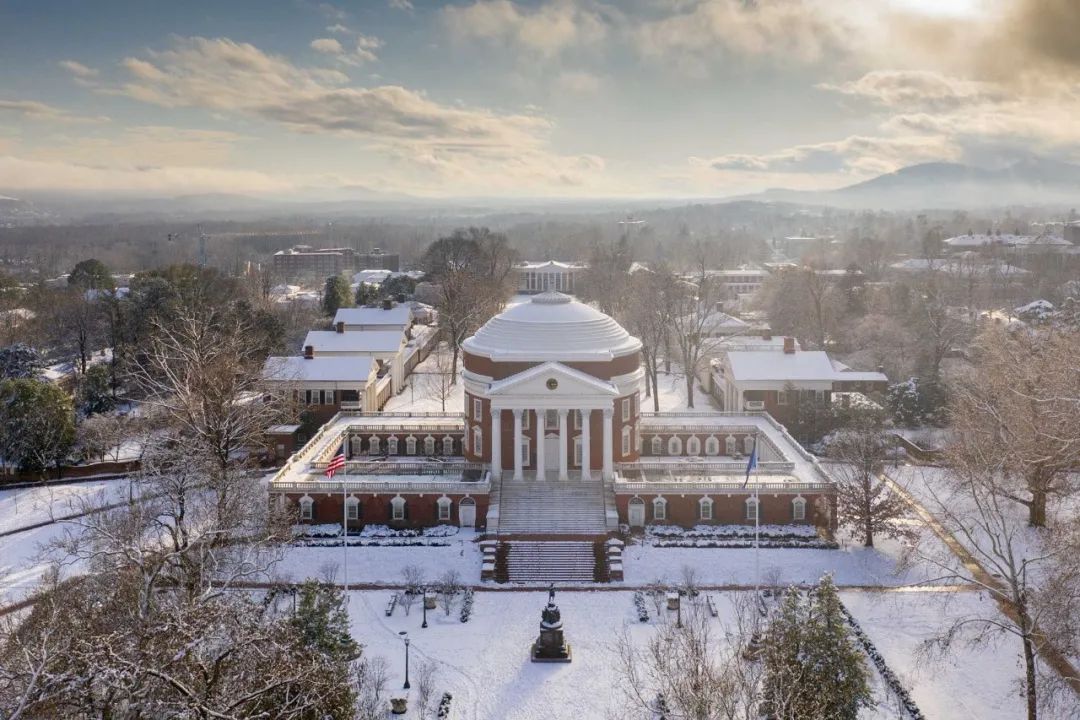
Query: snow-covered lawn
{"x":970,"y":682}
{"x":29,"y":506}
{"x":22,"y":565}
{"x":485,"y":663}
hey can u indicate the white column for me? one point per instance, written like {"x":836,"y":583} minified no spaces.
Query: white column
{"x":541,"y":422}
{"x":608,"y":449}
{"x":564,"y":439}
{"x":517,"y":443}
{"x":496,"y":444}
{"x":586,"y":460}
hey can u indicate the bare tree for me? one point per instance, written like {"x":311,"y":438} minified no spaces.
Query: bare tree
{"x":370,"y":679}
{"x":865,"y":502}
{"x":646,"y":313}
{"x":414,"y":584}
{"x":448,"y":587}
{"x":426,"y":697}
{"x":439,"y":376}
{"x":1020,"y":411}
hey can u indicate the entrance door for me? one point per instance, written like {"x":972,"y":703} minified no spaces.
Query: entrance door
{"x":467,"y":512}
{"x":637,"y":512}
{"x":551,"y":453}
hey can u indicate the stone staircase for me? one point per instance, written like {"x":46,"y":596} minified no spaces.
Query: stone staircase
{"x":550,"y":561}
{"x":551,"y":508}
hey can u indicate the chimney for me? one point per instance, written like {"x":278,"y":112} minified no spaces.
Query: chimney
{"x":789,"y":346}
{"x":766,"y":334}
{"x":340,"y":326}
{"x":309,"y":352}
{"x":387,"y":304}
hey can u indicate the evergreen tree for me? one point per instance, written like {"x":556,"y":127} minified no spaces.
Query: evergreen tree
{"x":91,"y":275}
{"x":20,"y":361}
{"x":813,"y":671}
{"x":336,"y":295}
{"x":37,"y":424}
{"x":95,"y":391}
{"x":323,"y":623}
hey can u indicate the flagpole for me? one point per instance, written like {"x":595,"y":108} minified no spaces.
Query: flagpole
{"x":345,"y":536}
{"x":757,"y":528}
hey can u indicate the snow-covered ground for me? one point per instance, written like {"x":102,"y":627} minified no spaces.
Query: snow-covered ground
{"x":29,"y":506}
{"x":485,"y":662}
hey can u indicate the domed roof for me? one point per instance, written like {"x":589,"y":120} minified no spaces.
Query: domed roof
{"x":551,"y":326}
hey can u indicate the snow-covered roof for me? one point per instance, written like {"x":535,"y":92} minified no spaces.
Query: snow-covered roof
{"x":371,"y":276}
{"x":801,"y":365}
{"x":398,"y":315}
{"x":358,"y":341}
{"x":550,"y":265}
{"x":957,"y":267}
{"x":552,"y":326}
{"x":982,"y":239}
{"x":318,"y":369}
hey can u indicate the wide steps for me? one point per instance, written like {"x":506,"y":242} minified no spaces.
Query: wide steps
{"x":550,"y":561}
{"x":561,"y":508}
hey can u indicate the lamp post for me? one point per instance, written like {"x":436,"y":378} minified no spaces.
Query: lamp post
{"x":405,"y":636}
{"x":423,"y":603}
{"x":678,"y":612}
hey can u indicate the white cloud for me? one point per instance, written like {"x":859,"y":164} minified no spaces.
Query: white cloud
{"x":146,"y":145}
{"x":338,"y":29}
{"x":78,"y":69}
{"x":364,"y":51}
{"x":34,"y":110}
{"x":577,"y":82}
{"x":328,"y":46}
{"x":544,"y":30}
{"x":856,"y":155}
{"x":913,"y":89}
{"x":405,"y":5}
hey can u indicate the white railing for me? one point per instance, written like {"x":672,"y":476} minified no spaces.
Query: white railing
{"x":367,"y":485}
{"x":706,"y":466}
{"x":625,"y":486}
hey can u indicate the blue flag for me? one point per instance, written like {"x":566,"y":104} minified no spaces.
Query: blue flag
{"x":751,"y":464}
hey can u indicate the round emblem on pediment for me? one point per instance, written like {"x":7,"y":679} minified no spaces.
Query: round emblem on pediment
{"x":552,"y":383}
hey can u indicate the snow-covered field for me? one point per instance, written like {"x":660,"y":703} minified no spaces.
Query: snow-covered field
{"x":485,"y":662}
{"x":29,"y":506}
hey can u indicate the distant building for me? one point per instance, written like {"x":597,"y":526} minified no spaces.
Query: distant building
{"x":1072,"y":232}
{"x":305,"y":261}
{"x":778,"y":380}
{"x":538,"y":277}
{"x":740,"y":282}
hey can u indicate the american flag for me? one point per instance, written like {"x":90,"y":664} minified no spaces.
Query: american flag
{"x":337,"y":463}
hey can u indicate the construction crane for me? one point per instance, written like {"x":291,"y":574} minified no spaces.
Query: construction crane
{"x":203,"y":237}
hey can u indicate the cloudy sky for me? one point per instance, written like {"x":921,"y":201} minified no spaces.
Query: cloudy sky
{"x":560,"y":98}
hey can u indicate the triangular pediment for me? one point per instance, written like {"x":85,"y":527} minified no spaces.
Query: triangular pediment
{"x":553,"y":379}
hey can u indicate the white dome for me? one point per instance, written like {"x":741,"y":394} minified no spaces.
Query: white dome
{"x":552,"y":326}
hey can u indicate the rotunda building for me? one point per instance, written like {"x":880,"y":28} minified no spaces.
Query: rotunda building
{"x":552,"y":391}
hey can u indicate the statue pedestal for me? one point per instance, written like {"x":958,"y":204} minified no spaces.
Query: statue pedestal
{"x":551,"y":647}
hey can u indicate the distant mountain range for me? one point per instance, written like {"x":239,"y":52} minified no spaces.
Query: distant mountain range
{"x":949,"y":185}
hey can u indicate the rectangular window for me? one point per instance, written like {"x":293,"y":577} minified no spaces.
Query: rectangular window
{"x":577,"y":451}
{"x":798,"y":511}
{"x":305,"y":510}
{"x":444,"y":511}
{"x":781,"y":398}
{"x":352,"y":511}
{"x":477,"y":408}
{"x":526,"y":418}
{"x":751,"y":510}
{"x":659,"y":511}
{"x":626,"y":409}
{"x":706,"y":511}
{"x":626,"y":443}
{"x":399,"y":511}
{"x":525,"y":454}
{"x":551,"y":419}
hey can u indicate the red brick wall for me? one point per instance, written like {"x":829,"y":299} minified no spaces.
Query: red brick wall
{"x":375,"y":509}
{"x":499,"y":370}
{"x":683,"y":509}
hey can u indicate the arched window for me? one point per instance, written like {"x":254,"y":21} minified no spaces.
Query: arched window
{"x":705,"y":508}
{"x":448,"y":445}
{"x":356,"y":445}
{"x":729,"y":445}
{"x":748,"y":445}
{"x":307,"y":508}
{"x":410,"y":445}
{"x":674,"y":445}
{"x":373,"y":445}
{"x":798,"y":508}
{"x":659,"y":509}
{"x":712,"y":445}
{"x":352,"y":508}
{"x":693,"y":445}
{"x":391,"y":445}
{"x":657,"y":445}
{"x":429,"y":445}
{"x":397,"y":508}
{"x":444,"y":504}
{"x":626,"y":440}
{"x":477,"y":441}
{"x":751,"y":509}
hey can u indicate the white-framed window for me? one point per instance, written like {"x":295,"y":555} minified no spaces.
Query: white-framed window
{"x":674,"y":445}
{"x":626,"y":409}
{"x":577,"y":451}
{"x":693,"y":445}
{"x":397,"y":508}
{"x":373,"y":445}
{"x":444,"y":508}
{"x":712,"y":445}
{"x":659,"y":509}
{"x":551,"y":419}
{"x":352,"y":508}
{"x":477,"y":408}
{"x":448,"y":445}
{"x":477,"y":440}
{"x":748,"y":444}
{"x":526,"y":419}
{"x":429,"y":445}
{"x":705,"y":508}
{"x":307,"y":508}
{"x":577,"y":419}
{"x":626,"y":440}
{"x":729,"y":445}
{"x":525,"y":452}
{"x":410,"y":445}
{"x":781,"y":397}
{"x":356,"y":445}
{"x":751,"y":509}
{"x":657,"y":445}
{"x":798,"y":508}
{"x":391,"y":445}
